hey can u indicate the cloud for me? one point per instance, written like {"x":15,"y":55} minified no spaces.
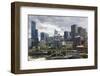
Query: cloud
{"x":49,"y":28}
{"x":49,"y":23}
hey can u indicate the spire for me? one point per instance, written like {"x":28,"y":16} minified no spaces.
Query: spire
{"x":55,"y":32}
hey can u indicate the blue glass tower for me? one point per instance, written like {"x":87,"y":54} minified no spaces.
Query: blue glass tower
{"x":33,"y":29}
{"x":34,"y":34}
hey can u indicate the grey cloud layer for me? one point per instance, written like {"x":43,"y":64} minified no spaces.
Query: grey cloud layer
{"x":60,"y":23}
{"x":64,"y":23}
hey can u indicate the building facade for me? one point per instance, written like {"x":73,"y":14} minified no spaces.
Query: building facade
{"x":65,"y":35}
{"x":34,"y":35}
{"x":74,"y":31}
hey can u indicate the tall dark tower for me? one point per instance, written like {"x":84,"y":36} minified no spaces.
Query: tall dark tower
{"x":36,"y":38}
{"x":80,"y":30}
{"x":44,"y":36}
{"x":33,"y":29}
{"x":34,"y":34}
{"x":73,"y":31}
{"x":65,"y":35}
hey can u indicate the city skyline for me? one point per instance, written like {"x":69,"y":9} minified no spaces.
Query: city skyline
{"x":49,"y":24}
{"x":75,"y":31}
{"x":56,"y":43}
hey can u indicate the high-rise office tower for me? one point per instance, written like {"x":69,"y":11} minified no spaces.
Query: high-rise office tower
{"x":44,"y":36}
{"x":65,"y":35}
{"x":33,"y":29}
{"x":74,"y":31}
{"x":82,"y":32}
{"x":34,"y":34}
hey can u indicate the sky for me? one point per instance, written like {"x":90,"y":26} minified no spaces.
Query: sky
{"x":49,"y":23}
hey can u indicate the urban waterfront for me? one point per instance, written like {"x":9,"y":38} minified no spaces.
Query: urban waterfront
{"x":63,"y":44}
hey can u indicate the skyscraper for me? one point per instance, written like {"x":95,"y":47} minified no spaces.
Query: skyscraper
{"x":82,"y":32}
{"x":33,"y":29}
{"x":56,"y":32}
{"x":65,"y":35}
{"x":34,"y":34}
{"x":44,"y":36}
{"x":74,"y":31}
